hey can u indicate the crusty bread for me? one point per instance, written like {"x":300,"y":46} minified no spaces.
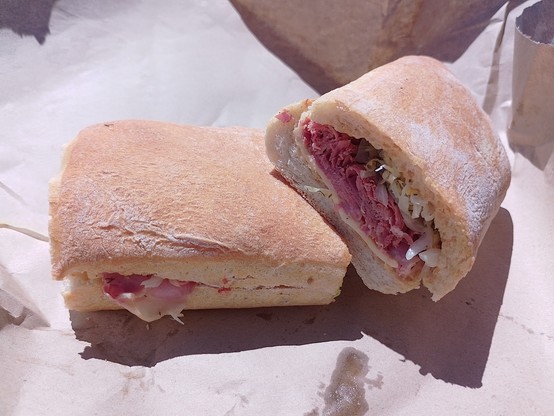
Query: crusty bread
{"x":191,"y":204}
{"x":436,"y":135}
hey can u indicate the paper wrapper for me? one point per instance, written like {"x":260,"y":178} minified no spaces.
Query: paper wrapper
{"x":486,"y":348}
{"x":330,"y":43}
{"x":531,"y":131}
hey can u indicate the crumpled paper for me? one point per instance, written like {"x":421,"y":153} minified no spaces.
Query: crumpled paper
{"x":486,"y":348}
{"x":330,"y":43}
{"x":531,"y":131}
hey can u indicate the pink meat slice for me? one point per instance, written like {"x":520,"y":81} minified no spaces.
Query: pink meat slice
{"x":116,"y":284}
{"x":335,"y":154}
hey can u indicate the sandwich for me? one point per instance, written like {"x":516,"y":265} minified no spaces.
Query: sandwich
{"x":157,"y":218}
{"x":404,"y":164}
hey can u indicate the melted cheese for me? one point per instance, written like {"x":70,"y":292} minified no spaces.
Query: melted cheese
{"x":151,"y":308}
{"x":159,"y":297}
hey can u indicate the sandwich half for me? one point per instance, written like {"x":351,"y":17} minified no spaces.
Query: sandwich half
{"x":156,"y":218}
{"x":404,"y":164}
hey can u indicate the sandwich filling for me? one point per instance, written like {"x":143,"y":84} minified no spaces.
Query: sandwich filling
{"x":148,"y":296}
{"x":374,"y":199}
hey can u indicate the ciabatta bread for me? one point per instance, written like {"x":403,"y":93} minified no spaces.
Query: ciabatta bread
{"x":423,"y":129}
{"x":196,"y":206}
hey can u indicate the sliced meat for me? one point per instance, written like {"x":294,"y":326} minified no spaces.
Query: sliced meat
{"x":116,"y":284}
{"x":361,"y":193}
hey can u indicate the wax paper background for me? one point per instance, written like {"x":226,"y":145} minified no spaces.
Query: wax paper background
{"x":486,"y":348}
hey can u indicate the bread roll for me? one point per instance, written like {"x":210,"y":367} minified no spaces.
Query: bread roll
{"x":404,"y":164}
{"x":157,"y":217}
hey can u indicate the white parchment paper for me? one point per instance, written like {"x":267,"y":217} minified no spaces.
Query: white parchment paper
{"x":486,"y":348}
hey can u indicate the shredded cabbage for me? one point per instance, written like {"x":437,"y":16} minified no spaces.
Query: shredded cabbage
{"x":154,"y":281}
{"x":421,"y":244}
{"x":407,"y":196}
{"x":418,"y":214}
{"x":176,"y":316}
{"x":324,"y":191}
{"x":430,"y":257}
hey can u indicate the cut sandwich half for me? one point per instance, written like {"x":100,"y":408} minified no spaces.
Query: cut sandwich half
{"x":404,"y":164}
{"x":157,"y":218}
